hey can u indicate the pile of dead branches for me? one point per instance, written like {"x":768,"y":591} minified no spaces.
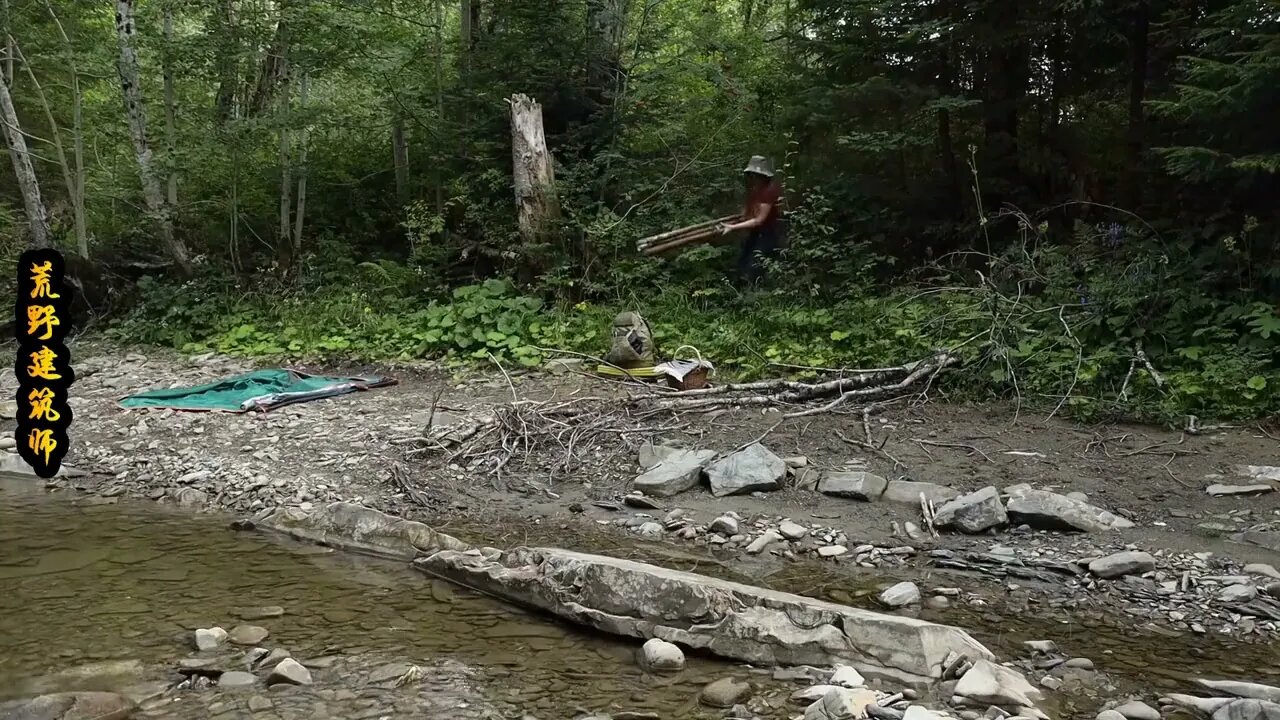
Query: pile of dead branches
{"x":560,"y":437}
{"x":554,"y":438}
{"x":848,"y":388}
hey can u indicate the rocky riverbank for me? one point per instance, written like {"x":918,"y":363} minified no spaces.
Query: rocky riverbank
{"x":1157,"y":550}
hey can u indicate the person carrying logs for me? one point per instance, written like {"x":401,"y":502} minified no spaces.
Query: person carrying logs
{"x":762,"y":217}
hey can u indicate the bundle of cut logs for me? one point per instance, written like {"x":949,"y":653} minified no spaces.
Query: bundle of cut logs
{"x":672,"y":239}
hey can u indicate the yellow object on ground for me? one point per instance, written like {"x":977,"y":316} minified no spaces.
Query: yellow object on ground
{"x":640,"y":372}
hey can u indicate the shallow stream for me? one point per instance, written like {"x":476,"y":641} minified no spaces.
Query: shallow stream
{"x":107,"y":596}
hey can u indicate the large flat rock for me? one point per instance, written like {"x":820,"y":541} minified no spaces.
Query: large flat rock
{"x":745,"y":471}
{"x":357,"y":528}
{"x":1050,"y":511}
{"x":908,"y":491}
{"x":675,"y":473}
{"x":729,"y":619}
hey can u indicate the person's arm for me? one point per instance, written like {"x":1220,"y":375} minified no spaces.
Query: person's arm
{"x":752,"y":222}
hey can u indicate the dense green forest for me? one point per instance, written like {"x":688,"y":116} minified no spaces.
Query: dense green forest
{"x":1080,"y":197}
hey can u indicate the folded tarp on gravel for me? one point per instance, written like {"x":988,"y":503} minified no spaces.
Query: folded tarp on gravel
{"x":261,"y":390}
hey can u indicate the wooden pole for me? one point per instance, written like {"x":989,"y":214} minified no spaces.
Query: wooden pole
{"x":672,"y":234}
{"x":690,"y":239}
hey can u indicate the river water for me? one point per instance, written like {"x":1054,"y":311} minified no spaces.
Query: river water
{"x":103,"y":595}
{"x":107,"y":596}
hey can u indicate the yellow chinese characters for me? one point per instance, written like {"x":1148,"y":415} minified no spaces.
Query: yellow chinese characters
{"x":40,"y":287}
{"x":42,"y":441}
{"x":42,"y":315}
{"x":41,"y":400}
{"x":42,"y":365}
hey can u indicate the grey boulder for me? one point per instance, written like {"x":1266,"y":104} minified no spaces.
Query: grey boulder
{"x":740,"y":622}
{"x":1129,"y":562}
{"x":1256,"y":691}
{"x":908,"y":492}
{"x":987,"y":683}
{"x":660,"y":656}
{"x":748,"y":470}
{"x":973,"y":513}
{"x":901,"y":595}
{"x":1050,"y":511}
{"x":677,"y":472}
{"x":858,"y":485}
{"x":356,"y":528}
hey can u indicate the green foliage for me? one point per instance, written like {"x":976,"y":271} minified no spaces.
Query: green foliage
{"x":1072,"y":344}
{"x":869,"y":105}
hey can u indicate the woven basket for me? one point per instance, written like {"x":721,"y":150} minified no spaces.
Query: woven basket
{"x":696,"y":379}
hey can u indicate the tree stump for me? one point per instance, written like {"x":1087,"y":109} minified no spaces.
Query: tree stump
{"x":537,"y":206}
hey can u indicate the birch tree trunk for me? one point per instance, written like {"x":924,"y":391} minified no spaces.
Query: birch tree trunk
{"x":300,"y":213}
{"x":8,"y":44}
{"x":170,"y":112}
{"x":135,"y":113}
{"x":26,"y":174}
{"x":400,"y":156}
{"x":537,"y":206}
{"x":76,"y":188}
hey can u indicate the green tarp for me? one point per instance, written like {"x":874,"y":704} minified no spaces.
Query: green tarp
{"x":260,"y":390}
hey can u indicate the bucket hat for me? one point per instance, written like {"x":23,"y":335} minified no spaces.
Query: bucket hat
{"x":759,"y":165}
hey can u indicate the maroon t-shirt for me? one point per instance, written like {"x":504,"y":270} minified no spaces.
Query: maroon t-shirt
{"x":771,"y":195}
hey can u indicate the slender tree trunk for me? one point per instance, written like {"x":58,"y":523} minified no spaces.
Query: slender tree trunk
{"x":170,"y":112}
{"x":284,"y":239}
{"x":471,"y":26}
{"x":135,"y":113}
{"x":76,"y":188}
{"x":537,"y":206}
{"x":8,"y":43}
{"x":439,"y":178}
{"x":55,"y":131}
{"x":400,"y":155}
{"x":303,"y":134}
{"x":28,"y":185}
{"x":1138,"y":45}
{"x":1008,"y":64}
{"x":1057,"y":71}
{"x":228,"y":61}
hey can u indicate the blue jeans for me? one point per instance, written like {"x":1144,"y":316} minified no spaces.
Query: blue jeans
{"x":761,"y":243}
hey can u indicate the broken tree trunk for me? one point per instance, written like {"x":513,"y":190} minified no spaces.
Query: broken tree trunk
{"x":535,"y":184}
{"x":136,"y":115}
{"x":274,"y":68}
{"x":26,"y":174}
